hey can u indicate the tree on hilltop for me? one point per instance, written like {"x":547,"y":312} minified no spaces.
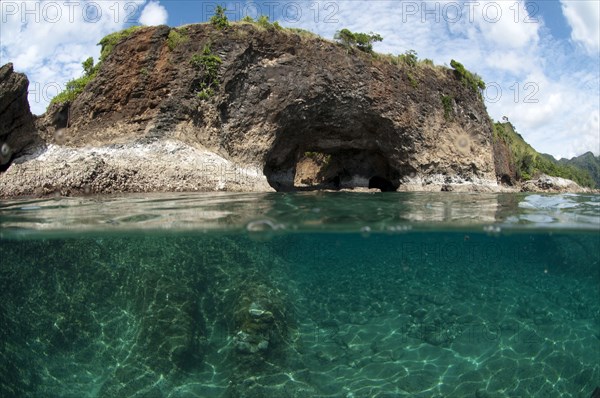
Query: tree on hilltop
{"x":362,"y":41}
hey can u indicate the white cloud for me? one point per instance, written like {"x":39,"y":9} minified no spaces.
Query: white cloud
{"x":501,"y":24}
{"x":48,"y":40}
{"x":501,"y":43}
{"x":585,"y":137}
{"x":154,"y":14}
{"x":584,"y":19}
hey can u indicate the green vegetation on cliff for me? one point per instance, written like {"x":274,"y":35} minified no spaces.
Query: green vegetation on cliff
{"x":219,"y":20}
{"x":587,"y":162}
{"x":263,"y":22}
{"x":109,"y":42}
{"x":529,"y":163}
{"x":447,"y":103}
{"x":75,"y":87}
{"x":469,"y":79}
{"x":362,"y":41}
{"x":208,"y":64}
{"x":177,"y":37}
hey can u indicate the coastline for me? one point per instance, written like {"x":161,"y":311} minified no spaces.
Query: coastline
{"x":141,"y":125}
{"x":171,"y":165}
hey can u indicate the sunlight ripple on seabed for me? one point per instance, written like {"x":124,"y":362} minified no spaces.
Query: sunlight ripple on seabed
{"x":251,"y":306}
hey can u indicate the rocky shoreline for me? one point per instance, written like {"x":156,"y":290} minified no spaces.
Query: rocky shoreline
{"x":160,"y":166}
{"x":292,"y":112}
{"x":173,"y":166}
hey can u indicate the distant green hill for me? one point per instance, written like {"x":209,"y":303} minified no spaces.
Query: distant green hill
{"x":587,"y":162}
{"x":528,"y":162}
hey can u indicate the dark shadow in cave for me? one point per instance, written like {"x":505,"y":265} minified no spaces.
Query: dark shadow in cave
{"x":5,"y":163}
{"x":381,"y":183}
{"x":348,"y":168}
{"x":506,"y":180}
{"x":352,"y":147}
{"x":337,"y":182}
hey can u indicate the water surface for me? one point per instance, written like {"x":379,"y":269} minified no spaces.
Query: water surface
{"x":300,"y":295}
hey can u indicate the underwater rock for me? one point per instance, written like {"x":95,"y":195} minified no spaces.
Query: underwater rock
{"x":257,"y":330}
{"x":257,"y":311}
{"x":250,"y":344}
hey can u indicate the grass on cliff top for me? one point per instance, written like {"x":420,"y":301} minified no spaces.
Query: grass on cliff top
{"x":72,"y":90}
{"x":529,"y":163}
{"x":409,"y":58}
{"x":109,"y":42}
{"x":75,"y":87}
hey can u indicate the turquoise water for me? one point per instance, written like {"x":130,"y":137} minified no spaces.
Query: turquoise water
{"x":301,"y":295}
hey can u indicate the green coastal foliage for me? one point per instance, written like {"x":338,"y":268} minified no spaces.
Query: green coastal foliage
{"x":303,"y":33}
{"x":529,"y":163}
{"x":219,"y":19}
{"x":409,"y":58}
{"x":88,"y":67}
{"x":177,"y":37}
{"x":75,"y":87}
{"x":263,"y":22}
{"x":208,"y":64}
{"x":447,"y":104}
{"x":362,"y":41}
{"x":469,"y":79}
{"x":587,"y":162}
{"x":109,"y":42}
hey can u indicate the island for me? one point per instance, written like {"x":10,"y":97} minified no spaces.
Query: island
{"x":251,"y":106}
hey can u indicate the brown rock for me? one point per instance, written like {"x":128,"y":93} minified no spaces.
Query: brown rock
{"x":505,"y":169}
{"x":17,"y":128}
{"x":281,"y":95}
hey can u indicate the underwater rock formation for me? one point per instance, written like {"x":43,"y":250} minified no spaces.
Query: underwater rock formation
{"x":152,"y":311}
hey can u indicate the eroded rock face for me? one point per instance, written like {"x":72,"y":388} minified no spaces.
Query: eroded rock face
{"x":505,"y":169}
{"x":280,"y":96}
{"x":16,"y":121}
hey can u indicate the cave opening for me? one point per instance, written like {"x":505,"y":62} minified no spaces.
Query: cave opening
{"x":506,"y":180}
{"x":337,"y":182}
{"x":316,"y":168}
{"x":382,"y":184}
{"x":5,"y":163}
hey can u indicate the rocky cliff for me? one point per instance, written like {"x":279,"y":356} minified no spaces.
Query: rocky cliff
{"x":17,"y":124}
{"x":284,"y":110}
{"x":519,"y":164}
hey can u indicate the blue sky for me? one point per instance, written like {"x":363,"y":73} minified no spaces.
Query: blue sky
{"x":540,"y":59}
